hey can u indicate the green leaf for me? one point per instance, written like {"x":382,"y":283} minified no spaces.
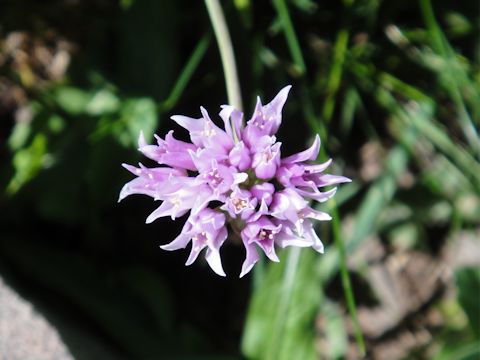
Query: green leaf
{"x":20,"y":134}
{"x":458,"y":24}
{"x":56,"y":124}
{"x":468,"y":281}
{"x":102,"y":102}
{"x":71,"y":99}
{"x":137,"y":115}
{"x":280,"y":321}
{"x":94,"y":103}
{"x":28,"y":162}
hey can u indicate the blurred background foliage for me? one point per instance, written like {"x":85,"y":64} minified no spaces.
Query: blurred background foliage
{"x":392,"y":87}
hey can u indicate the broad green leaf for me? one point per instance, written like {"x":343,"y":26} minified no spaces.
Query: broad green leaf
{"x":102,"y":102}
{"x":56,"y":124}
{"x":28,"y":162}
{"x":71,"y":99}
{"x":280,"y":321}
{"x":137,"y":115}
{"x":19,"y":136}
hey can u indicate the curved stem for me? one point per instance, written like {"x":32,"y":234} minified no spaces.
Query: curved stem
{"x":226,"y":52}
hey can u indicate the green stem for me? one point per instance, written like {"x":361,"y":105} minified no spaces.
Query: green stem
{"x":186,"y":74}
{"x":339,"y":53}
{"x":345,"y":277}
{"x":290,"y":35}
{"x":342,"y":257}
{"x":226,"y":53}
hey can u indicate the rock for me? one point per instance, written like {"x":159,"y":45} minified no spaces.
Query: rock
{"x":24,"y":333}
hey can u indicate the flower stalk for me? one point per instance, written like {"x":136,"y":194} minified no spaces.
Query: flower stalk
{"x":226,"y":53}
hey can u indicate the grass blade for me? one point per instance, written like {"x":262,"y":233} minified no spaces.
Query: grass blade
{"x":290,"y":35}
{"x":441,"y":46}
{"x":335,"y":77}
{"x":187,"y":73}
{"x":377,"y":197}
{"x":345,"y":276}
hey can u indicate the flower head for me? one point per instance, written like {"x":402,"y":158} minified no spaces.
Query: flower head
{"x":264,"y":199}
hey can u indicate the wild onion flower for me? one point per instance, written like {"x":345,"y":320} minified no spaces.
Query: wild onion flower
{"x":264,"y":199}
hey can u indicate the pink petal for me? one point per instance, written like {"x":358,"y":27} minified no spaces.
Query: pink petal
{"x":316,"y":168}
{"x":181,"y":241}
{"x":228,"y":113}
{"x":213,"y":259}
{"x":327,"y":179}
{"x":318,"y":195}
{"x":310,"y":154}
{"x":250,"y":259}
{"x":189,"y":123}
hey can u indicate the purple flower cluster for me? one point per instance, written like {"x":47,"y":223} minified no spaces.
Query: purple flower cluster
{"x":264,"y":198}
